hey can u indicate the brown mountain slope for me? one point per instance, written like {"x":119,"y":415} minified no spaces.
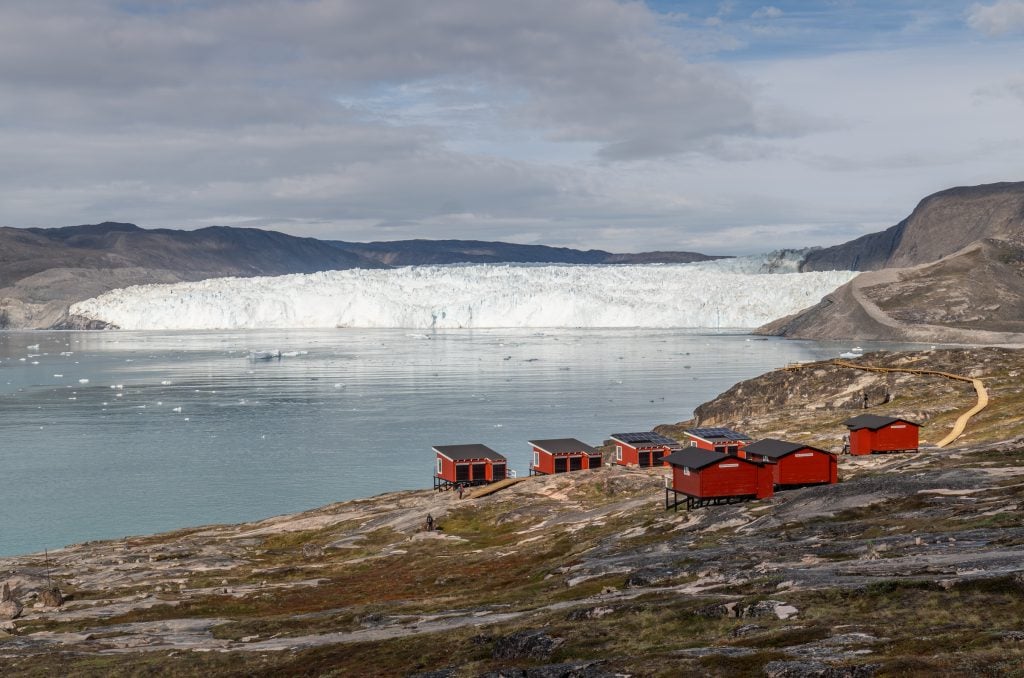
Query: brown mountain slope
{"x":941,"y":224}
{"x":43,"y":271}
{"x":975,"y":295}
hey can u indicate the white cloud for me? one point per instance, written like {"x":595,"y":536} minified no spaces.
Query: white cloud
{"x":1000,"y":18}
{"x":767,"y":12}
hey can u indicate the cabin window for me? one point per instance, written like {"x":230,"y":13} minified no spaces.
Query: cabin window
{"x":439,"y":468}
{"x":536,"y":458}
{"x":686,"y":471}
{"x":728,"y":466}
{"x":693,"y":443}
{"x":618,"y":453}
{"x":732,"y":449}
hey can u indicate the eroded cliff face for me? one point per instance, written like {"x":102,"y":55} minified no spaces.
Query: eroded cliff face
{"x":975,"y":295}
{"x":940,"y":225}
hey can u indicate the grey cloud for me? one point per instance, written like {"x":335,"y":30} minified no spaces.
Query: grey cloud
{"x":999,"y":18}
{"x":588,"y":71}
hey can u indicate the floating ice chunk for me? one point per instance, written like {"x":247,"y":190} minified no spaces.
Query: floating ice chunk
{"x":165,"y":382}
{"x":35,"y":362}
{"x":339,"y":385}
{"x":176,"y":409}
{"x":83,"y":381}
{"x":58,"y":376}
{"x":32,"y":347}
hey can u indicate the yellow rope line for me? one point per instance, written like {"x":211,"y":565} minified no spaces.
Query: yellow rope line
{"x":961,"y":422}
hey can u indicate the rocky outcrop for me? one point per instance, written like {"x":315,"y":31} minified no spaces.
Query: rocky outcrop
{"x":9,"y":607}
{"x":975,"y":295}
{"x":941,"y":224}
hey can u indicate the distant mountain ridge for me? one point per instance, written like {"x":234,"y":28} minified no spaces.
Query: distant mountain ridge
{"x":45,"y":270}
{"x":420,"y":252}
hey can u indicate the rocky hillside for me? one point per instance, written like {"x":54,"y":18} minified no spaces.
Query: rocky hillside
{"x":973,"y":296}
{"x":43,"y":271}
{"x":941,"y":224}
{"x":912,"y":565}
{"x":952,"y":272}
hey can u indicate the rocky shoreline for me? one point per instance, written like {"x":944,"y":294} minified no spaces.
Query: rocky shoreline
{"x":912,"y":565}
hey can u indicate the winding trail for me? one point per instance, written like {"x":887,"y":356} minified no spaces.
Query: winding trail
{"x":961,"y":422}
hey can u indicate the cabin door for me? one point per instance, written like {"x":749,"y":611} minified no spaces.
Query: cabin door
{"x":462,"y":473}
{"x":645,"y":458}
{"x":575,"y":463}
{"x":479,"y":472}
{"x":498,"y":471}
{"x":560,"y":465}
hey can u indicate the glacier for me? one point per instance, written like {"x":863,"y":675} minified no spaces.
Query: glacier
{"x":729,"y":293}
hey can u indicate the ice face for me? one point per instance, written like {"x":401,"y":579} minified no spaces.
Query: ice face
{"x":709,"y":294}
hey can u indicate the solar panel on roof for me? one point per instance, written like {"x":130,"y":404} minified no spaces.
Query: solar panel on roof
{"x":724,"y":433}
{"x":645,"y":437}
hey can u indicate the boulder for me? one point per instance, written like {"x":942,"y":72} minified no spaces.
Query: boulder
{"x":534,"y":644}
{"x":567,"y":670}
{"x":312,"y":551}
{"x":51,"y":597}
{"x":10,"y":609}
{"x":812,"y":669}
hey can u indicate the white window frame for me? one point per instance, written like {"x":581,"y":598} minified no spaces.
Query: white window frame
{"x":618,"y":453}
{"x":440,"y":466}
{"x":536,"y":459}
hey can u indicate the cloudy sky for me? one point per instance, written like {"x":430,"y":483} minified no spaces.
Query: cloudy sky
{"x":723,"y":127}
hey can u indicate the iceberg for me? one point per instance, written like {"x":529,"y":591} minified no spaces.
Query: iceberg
{"x":729,"y":293}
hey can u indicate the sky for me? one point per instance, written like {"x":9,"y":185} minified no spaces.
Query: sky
{"x":721,"y":127}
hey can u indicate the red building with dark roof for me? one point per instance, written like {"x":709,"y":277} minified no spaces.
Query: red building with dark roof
{"x":795,"y":464}
{"x":870,"y":433}
{"x":473,"y":464}
{"x":704,"y":477}
{"x":643,"y":449}
{"x":723,"y":440}
{"x":561,"y":455}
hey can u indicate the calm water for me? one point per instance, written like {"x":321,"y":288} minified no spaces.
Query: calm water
{"x":195,"y":433}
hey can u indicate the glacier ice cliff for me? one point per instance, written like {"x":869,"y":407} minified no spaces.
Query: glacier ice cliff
{"x":725,"y":293}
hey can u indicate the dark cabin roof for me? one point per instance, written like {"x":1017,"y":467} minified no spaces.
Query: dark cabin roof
{"x":696,"y":458}
{"x":717,"y":434}
{"x":776,"y":449}
{"x":472,"y":451}
{"x":873,"y":422}
{"x":563,"y":446}
{"x":646,"y":438}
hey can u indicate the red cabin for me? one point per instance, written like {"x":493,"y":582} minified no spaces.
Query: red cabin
{"x":795,"y":464}
{"x":870,"y":433}
{"x":723,"y":440}
{"x":474,"y":464}
{"x":705,"y":477}
{"x":561,"y":455}
{"x":643,"y":449}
